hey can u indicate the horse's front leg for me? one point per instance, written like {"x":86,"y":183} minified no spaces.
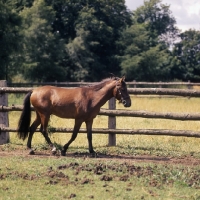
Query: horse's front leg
{"x":77,"y":126}
{"x":89,"y":135}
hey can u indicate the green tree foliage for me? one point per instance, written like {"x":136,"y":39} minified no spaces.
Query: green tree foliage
{"x":90,"y":29}
{"x":146,"y":56}
{"x":43,"y":50}
{"x":141,"y":61}
{"x":186,"y":53}
{"x":21,"y":4}
{"x":158,"y":19}
{"x":9,"y":38}
{"x":85,"y":40}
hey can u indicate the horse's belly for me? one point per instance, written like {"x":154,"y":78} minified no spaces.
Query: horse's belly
{"x":73,"y":113}
{"x":64,"y":112}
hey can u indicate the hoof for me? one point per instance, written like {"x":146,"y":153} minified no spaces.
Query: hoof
{"x":92,"y":151}
{"x":31,"y":152}
{"x":93,"y":154}
{"x":63,"y":153}
{"x":53,"y":152}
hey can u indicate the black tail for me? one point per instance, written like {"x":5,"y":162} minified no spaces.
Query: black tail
{"x":25,"y":118}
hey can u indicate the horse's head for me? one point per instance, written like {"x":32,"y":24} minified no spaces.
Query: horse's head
{"x":121,"y":92}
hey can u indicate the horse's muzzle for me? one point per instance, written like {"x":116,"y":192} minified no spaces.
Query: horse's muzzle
{"x":126,"y":103}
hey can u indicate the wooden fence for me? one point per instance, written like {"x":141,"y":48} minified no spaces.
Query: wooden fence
{"x":113,"y":113}
{"x":132,"y":84}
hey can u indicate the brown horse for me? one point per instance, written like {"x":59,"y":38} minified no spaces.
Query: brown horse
{"x":81,"y":103}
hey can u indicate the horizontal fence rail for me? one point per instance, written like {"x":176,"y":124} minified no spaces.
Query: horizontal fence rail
{"x":130,"y":84}
{"x":161,"y":132}
{"x":125,"y":113}
{"x":135,"y":91}
{"x":163,"y":91}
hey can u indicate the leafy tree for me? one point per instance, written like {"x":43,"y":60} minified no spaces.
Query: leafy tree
{"x":90,"y":49}
{"x":145,"y":56}
{"x":90,"y":29}
{"x":141,"y":61}
{"x":158,"y":19}
{"x":21,"y":4}
{"x":43,"y":50}
{"x":9,"y":38}
{"x":186,"y":62}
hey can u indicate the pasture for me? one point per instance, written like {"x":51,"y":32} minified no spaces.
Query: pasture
{"x":139,"y":167}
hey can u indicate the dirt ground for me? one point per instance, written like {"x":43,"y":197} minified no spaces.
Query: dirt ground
{"x":186,"y":160}
{"x":127,"y":162}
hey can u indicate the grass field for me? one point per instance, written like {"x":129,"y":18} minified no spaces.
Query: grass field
{"x":82,"y":177}
{"x":74,"y":178}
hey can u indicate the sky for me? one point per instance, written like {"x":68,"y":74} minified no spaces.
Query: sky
{"x":186,"y":12}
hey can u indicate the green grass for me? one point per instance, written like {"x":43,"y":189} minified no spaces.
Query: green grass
{"x":77,"y":178}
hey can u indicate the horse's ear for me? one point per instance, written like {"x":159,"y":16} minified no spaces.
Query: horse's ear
{"x":123,"y":78}
{"x":112,"y":75}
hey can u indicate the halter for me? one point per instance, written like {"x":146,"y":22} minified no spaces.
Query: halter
{"x":122,"y":99}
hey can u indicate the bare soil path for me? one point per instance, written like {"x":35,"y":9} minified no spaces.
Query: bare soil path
{"x":186,"y":161}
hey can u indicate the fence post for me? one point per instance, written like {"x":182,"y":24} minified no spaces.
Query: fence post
{"x":4,"y":136}
{"x":189,"y":86}
{"x":160,"y":84}
{"x":135,"y":85}
{"x":112,"y":123}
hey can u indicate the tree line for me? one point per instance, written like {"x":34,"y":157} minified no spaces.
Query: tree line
{"x":85,"y":40}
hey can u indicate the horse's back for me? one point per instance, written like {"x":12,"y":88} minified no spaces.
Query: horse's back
{"x":53,"y":93}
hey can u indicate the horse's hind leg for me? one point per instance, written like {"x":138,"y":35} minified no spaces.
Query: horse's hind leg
{"x":77,"y":126}
{"x":33,"y":128}
{"x":44,"y":124}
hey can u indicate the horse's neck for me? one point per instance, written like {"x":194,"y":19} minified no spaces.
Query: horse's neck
{"x":104,"y":94}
